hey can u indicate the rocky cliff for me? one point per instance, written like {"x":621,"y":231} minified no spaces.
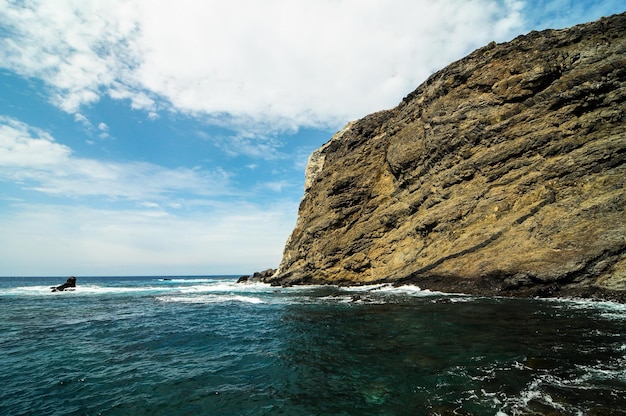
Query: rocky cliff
{"x":501,"y":174}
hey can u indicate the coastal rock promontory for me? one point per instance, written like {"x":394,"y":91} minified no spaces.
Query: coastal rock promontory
{"x":503,"y":173}
{"x":257,"y":277}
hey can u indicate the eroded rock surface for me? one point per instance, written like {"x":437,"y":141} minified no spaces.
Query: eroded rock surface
{"x":502,"y":173}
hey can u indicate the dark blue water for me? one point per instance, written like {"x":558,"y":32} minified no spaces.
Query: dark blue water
{"x":207,"y":346}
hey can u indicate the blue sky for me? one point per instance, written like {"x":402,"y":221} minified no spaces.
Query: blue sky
{"x":142,"y":137}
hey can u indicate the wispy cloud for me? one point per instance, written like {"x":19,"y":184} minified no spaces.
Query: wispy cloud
{"x":104,"y":130}
{"x":252,"y":72}
{"x":258,"y":67}
{"x":77,"y":239}
{"x":23,"y":147}
{"x":83,"y":121}
{"x":557,"y":14}
{"x":32,"y":158}
{"x":147,"y":219}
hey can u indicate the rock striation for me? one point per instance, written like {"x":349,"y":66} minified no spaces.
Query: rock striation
{"x":503,"y":173}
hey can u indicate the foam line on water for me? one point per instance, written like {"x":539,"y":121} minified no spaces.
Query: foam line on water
{"x":208,"y":299}
{"x":156,"y":286}
{"x":221,"y":286}
{"x":608,"y":309}
{"x":81,"y":290}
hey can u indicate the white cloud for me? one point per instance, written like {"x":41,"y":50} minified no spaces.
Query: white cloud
{"x":25,"y":147}
{"x":75,"y":239}
{"x":255,"y":66}
{"x":76,"y":47}
{"x":251,"y":144}
{"x":34,"y":159}
{"x":104,"y":131}
{"x":89,"y":128}
{"x":295,"y":63}
{"x":177,"y":220}
{"x":276,"y":186}
{"x":84,"y":121}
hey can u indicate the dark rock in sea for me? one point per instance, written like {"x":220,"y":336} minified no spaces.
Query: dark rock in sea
{"x":69,"y":283}
{"x":257,"y":277}
{"x":359,"y":298}
{"x":502,"y":174}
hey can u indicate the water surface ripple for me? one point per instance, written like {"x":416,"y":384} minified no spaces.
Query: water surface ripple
{"x":207,"y":346}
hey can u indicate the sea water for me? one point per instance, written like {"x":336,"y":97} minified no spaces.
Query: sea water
{"x":209,"y":346}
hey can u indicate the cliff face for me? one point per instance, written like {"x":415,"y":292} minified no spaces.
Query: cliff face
{"x":502,"y":173}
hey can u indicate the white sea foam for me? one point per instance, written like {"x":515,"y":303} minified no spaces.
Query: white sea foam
{"x":416,"y":291}
{"x":349,"y":299}
{"x":155,"y":286}
{"x":88,"y":289}
{"x":404,"y":289}
{"x":382,"y":288}
{"x":595,"y":373}
{"x":226,"y":286}
{"x":610,"y":310}
{"x":210,"y":299}
{"x":27,"y":290}
{"x":413,"y":290}
{"x":535,"y":390}
{"x":102,"y":290}
{"x":48,"y":290}
{"x":363,"y":288}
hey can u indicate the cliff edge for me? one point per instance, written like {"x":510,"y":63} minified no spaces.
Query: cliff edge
{"x":501,"y":174}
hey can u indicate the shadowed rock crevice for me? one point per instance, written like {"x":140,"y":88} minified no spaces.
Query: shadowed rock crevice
{"x":502,"y":173}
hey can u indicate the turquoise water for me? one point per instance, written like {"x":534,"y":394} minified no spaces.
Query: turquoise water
{"x":207,"y":346}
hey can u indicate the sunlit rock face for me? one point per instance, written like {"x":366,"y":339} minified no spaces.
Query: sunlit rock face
{"x":502,"y":173}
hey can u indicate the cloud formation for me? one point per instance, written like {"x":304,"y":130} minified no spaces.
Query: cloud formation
{"x":33,"y":159}
{"x":248,"y":65}
{"x":262,"y":70}
{"x":128,"y":217}
{"x":82,"y":240}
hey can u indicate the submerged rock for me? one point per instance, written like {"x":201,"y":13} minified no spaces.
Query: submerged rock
{"x":69,"y":283}
{"x":503,"y":173}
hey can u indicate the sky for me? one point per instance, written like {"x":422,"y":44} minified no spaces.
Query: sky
{"x":154,"y":137}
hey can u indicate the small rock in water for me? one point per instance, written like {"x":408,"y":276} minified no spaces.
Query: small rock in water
{"x":69,"y":283}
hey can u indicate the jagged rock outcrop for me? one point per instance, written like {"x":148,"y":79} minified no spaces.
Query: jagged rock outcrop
{"x":69,"y":283}
{"x":257,"y":277}
{"x":502,"y":173}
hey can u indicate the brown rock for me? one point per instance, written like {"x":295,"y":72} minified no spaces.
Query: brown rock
{"x":502,"y":173}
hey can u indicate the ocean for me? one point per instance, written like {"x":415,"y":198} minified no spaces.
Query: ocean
{"x":208,"y":346}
